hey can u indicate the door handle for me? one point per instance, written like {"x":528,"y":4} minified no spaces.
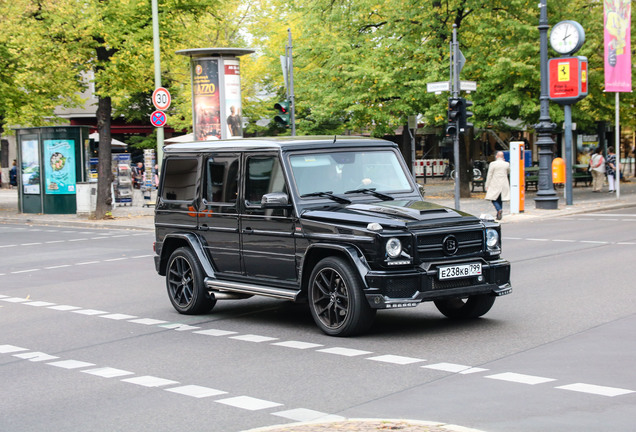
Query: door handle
{"x":248,"y":230}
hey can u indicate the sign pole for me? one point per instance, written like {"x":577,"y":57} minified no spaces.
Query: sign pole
{"x":567,"y":111}
{"x":455,"y":93}
{"x":157,"y":57}
{"x":290,"y":69}
{"x":617,"y":146}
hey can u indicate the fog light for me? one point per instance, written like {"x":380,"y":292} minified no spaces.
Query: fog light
{"x":480,"y":278}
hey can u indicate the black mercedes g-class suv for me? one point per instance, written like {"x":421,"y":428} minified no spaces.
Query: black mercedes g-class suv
{"x":337,"y":222}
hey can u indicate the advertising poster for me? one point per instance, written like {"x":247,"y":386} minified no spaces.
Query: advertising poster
{"x":233,"y":99}
{"x":206,"y":99}
{"x":618,"y":49}
{"x":30,"y":167}
{"x":59,"y":157}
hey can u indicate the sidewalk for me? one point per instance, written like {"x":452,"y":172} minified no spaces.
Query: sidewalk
{"x":442,"y":192}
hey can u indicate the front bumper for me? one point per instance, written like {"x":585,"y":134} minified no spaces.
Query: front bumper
{"x":396,"y":289}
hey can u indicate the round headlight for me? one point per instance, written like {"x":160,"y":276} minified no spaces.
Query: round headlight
{"x":492,"y":238}
{"x":393,"y":247}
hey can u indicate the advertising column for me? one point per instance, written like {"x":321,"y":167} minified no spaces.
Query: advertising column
{"x":216,"y":92}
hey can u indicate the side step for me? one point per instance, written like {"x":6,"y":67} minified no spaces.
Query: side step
{"x":251,"y":289}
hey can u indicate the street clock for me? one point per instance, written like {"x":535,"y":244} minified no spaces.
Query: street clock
{"x":567,"y":37}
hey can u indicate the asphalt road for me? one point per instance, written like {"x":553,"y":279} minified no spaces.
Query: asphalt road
{"x":89,"y":341}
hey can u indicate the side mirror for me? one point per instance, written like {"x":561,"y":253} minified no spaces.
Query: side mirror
{"x":275,"y":200}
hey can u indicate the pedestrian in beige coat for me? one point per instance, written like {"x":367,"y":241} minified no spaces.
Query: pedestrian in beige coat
{"x":497,"y":183}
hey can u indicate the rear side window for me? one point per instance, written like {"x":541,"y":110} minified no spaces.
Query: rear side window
{"x":179,"y":179}
{"x":221,"y":179}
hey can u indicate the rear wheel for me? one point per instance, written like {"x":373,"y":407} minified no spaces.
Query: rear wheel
{"x":184,"y":281}
{"x":471,"y":307}
{"x":336,"y":300}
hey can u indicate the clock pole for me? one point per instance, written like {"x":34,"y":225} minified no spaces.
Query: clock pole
{"x":546,"y":195}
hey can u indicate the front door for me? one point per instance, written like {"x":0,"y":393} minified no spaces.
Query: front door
{"x":267,"y":235}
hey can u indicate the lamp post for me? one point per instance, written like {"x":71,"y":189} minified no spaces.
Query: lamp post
{"x":546,"y":196}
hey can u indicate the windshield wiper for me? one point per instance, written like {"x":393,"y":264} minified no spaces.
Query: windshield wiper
{"x":327,"y":194}
{"x":371,"y":191}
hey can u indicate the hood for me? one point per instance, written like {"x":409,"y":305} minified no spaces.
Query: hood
{"x":390,"y":213}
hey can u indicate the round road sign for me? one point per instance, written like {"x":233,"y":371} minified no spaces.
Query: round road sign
{"x":158,"y":119}
{"x":161,"y":98}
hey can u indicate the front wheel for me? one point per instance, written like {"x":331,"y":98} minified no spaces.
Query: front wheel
{"x":336,"y":300}
{"x":184,"y":281}
{"x":471,"y":307}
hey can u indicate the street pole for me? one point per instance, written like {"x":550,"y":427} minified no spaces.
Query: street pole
{"x":290,"y":71}
{"x":567,"y":125}
{"x":455,"y":93}
{"x":546,"y":196}
{"x":617,"y":145}
{"x":155,"y":41}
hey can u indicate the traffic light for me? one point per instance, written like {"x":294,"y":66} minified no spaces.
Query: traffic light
{"x":464,"y":114}
{"x":453,"y":115}
{"x":282,"y":118}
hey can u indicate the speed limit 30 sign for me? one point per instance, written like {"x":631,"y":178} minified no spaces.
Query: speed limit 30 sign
{"x":161,"y":99}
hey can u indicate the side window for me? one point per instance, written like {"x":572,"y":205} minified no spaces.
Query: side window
{"x":264,"y":175}
{"x":221,"y":179}
{"x":179,"y":179}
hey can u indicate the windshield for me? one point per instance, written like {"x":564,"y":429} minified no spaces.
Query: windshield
{"x":340,"y":172}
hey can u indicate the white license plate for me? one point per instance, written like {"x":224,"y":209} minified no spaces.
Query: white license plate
{"x":459,"y":271}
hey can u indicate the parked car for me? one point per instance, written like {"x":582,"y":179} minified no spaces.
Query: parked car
{"x":338,"y":223}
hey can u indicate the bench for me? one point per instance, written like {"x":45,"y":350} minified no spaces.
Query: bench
{"x":478,"y":182}
{"x":584,"y":177}
{"x":532,"y":181}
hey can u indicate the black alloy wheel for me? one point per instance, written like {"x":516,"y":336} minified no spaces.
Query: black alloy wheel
{"x":184,"y":281}
{"x":336,"y":300}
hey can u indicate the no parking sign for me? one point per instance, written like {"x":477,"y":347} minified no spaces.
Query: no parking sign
{"x":158,"y":119}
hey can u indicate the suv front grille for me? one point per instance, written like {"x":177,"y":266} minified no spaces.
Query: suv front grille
{"x":430,"y":247}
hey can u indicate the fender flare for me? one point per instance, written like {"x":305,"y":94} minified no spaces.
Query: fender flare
{"x":194,"y":242}
{"x":353,"y":255}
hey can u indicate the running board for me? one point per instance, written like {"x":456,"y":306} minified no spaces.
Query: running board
{"x":245,"y":288}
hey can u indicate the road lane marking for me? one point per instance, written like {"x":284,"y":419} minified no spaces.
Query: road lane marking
{"x":520,"y":378}
{"x":14,"y":299}
{"x":347,"y":352}
{"x":35,"y":356}
{"x":25,"y":271}
{"x":537,"y":239}
{"x":76,"y":240}
{"x":89,"y":312}
{"x":40,"y":303}
{"x":87,"y":262}
{"x":179,"y":327}
{"x":150,"y":381}
{"x":196,"y":391}
{"x":71,"y":364}
{"x":595,"y":389}
{"x":64,"y":307}
{"x":107,"y":372}
{"x":118,"y":316}
{"x":147,"y":321}
{"x":215,"y":332}
{"x":30,"y":244}
{"x":454,"y":368}
{"x":564,"y":241}
{"x":248,"y":403}
{"x":8,"y":349}
{"x":594,"y":242}
{"x":307,"y":415}
{"x":57,"y":266}
{"x":7,"y":246}
{"x":55,"y":241}
{"x":253,"y":338}
{"x":394,"y":359}
{"x":297,"y":344}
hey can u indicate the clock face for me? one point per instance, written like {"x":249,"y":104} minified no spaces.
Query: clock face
{"x":566,"y":37}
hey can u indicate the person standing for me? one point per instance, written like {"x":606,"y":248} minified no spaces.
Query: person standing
{"x":597,"y":167}
{"x":610,"y":168}
{"x":13,"y":175}
{"x":497,"y":184}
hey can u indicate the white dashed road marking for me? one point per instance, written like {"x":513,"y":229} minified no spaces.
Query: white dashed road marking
{"x":347,"y":352}
{"x":150,"y":381}
{"x":520,"y":378}
{"x":595,"y":389}
{"x":71,"y":364}
{"x":215,"y":332}
{"x":118,"y":316}
{"x":40,"y":303}
{"x":8,"y":349}
{"x":147,"y":321}
{"x":396,"y":359}
{"x":248,"y":403}
{"x":107,"y":372}
{"x":454,"y":368}
{"x":196,"y":391}
{"x":64,"y":307}
{"x":297,"y":344}
{"x":179,"y":327}
{"x":253,"y":338}
{"x":35,"y":356}
{"x":89,"y":312}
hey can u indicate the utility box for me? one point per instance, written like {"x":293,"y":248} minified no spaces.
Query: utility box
{"x":86,"y":199}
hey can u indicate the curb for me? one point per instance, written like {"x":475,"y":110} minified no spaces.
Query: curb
{"x":75,"y":223}
{"x":366,"y":425}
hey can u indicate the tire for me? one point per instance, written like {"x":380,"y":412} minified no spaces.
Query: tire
{"x":336,"y":300}
{"x":472,"y":307}
{"x":184,"y":281}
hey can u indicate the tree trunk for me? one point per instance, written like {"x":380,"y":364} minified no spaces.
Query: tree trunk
{"x":104,"y":169}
